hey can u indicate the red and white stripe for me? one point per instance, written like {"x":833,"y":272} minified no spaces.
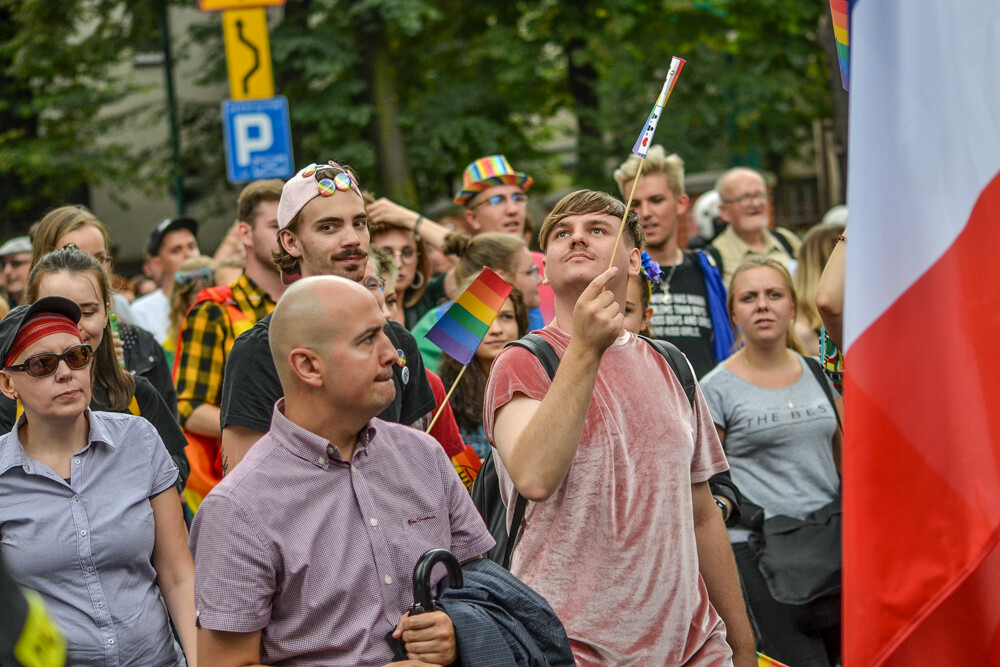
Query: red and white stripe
{"x":922,"y":332}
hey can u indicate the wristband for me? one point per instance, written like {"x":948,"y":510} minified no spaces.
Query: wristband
{"x":416,"y":227}
{"x":840,"y":237}
{"x":722,"y":506}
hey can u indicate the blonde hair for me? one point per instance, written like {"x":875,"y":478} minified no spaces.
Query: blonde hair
{"x":792,"y":341}
{"x":814,"y":252}
{"x":184,"y":293}
{"x":493,"y":249}
{"x":59,"y":222}
{"x":657,"y":162}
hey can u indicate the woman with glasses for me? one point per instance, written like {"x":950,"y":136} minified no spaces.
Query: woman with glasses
{"x":77,"y":226}
{"x":72,"y":274}
{"x":413,"y":266}
{"x":89,"y":516}
{"x":194,"y":275}
{"x":506,"y":254}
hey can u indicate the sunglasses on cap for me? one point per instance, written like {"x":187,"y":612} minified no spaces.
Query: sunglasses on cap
{"x":45,"y":364}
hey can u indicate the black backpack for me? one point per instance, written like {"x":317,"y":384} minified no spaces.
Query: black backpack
{"x":486,"y":487}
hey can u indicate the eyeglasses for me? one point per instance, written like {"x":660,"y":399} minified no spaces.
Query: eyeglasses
{"x":534,"y":272}
{"x":497,"y":200}
{"x":374,"y":283}
{"x":407,"y":254}
{"x":204,"y":274}
{"x":748,"y":200}
{"x":45,"y":364}
{"x":14,"y":263}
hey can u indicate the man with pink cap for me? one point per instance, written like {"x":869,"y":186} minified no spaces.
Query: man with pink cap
{"x":322,"y":230}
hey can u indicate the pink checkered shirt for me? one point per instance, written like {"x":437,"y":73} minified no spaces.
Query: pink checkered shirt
{"x":318,"y":552}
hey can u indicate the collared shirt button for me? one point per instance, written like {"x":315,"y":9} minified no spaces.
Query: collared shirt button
{"x":354,"y":467}
{"x":76,"y":498}
{"x":197,"y":613}
{"x":373,"y":521}
{"x":76,"y":461}
{"x":83,"y":533}
{"x":321,"y":460}
{"x":111,"y":641}
{"x":388,"y":579}
{"x":90,"y":568}
{"x":100,"y":605}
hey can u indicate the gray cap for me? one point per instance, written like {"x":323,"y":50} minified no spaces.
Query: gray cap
{"x":15,"y":246}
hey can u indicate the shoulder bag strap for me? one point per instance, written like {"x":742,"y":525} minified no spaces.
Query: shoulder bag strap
{"x":677,"y":362}
{"x":817,"y":371}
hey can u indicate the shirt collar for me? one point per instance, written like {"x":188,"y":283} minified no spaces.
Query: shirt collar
{"x":307,"y":445}
{"x":12,"y":450}
{"x":770,"y":243}
{"x":254,"y":294}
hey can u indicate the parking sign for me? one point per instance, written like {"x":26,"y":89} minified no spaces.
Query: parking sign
{"x":258,"y":139}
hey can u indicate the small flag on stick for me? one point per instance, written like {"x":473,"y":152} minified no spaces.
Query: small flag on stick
{"x":645,"y":139}
{"x":462,"y":328}
{"x":764,"y":661}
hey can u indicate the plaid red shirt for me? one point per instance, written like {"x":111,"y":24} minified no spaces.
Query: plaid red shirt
{"x":207,"y":337}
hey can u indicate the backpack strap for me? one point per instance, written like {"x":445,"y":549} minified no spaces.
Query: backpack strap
{"x":785,"y":243}
{"x":539,"y":347}
{"x":678,"y":363}
{"x":817,"y":371}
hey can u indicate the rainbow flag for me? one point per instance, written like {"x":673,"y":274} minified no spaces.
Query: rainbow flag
{"x":840,"y":12}
{"x":463,"y":326}
{"x":764,"y":661}
{"x":645,"y":139}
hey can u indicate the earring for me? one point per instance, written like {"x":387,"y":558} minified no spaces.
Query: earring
{"x":417,"y":285}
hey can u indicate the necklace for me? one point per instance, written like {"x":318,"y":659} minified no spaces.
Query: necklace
{"x":756,"y":371}
{"x":665,"y":284}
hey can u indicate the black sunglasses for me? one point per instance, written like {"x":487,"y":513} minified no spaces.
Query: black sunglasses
{"x":45,"y":364}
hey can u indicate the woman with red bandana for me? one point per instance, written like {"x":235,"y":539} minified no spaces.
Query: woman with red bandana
{"x":89,"y":516}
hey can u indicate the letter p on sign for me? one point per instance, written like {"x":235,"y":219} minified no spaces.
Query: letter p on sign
{"x":253,"y":135}
{"x":258,"y":139}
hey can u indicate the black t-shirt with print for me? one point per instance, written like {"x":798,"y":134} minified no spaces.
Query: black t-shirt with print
{"x":251,"y":387}
{"x":684,"y":319}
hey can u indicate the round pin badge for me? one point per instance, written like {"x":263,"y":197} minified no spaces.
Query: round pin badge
{"x":405,"y":375}
{"x":342,"y":181}
{"x":327,"y":187}
{"x":310,"y":170}
{"x":400,"y":358}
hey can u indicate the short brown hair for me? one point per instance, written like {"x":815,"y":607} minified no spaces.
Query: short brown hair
{"x":59,"y":222}
{"x":583,"y":202}
{"x":252,"y":196}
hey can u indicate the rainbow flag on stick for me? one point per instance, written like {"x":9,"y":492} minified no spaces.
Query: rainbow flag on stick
{"x":462,"y":328}
{"x":841,"y":32}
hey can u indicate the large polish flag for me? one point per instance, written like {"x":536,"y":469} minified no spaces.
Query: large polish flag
{"x":922,"y":333}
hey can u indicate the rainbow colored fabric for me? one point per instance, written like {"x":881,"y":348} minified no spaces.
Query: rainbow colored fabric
{"x":764,"y":661}
{"x":841,"y":32}
{"x":463,"y":326}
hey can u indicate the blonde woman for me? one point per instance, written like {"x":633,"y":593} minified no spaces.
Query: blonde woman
{"x":816,"y":247}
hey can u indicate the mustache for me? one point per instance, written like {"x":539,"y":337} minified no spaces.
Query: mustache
{"x":351,"y":254}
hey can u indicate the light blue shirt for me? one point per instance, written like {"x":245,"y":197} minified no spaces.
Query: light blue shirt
{"x":85,"y":544}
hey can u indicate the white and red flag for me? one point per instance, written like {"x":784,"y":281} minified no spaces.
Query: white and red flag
{"x":922,"y":334}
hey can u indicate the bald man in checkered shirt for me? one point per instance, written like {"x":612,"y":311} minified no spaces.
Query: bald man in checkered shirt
{"x":304,"y":553}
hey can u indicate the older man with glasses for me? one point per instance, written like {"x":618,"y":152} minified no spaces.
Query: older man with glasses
{"x":15,"y":262}
{"x":745,"y":204}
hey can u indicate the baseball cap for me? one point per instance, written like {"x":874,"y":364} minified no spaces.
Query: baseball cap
{"x":15,"y":246}
{"x":11,"y":325}
{"x":488,"y":172}
{"x":311,"y":182}
{"x":164,"y":228}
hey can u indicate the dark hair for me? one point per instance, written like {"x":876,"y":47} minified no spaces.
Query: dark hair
{"x":467,"y":401}
{"x":253,"y":195}
{"x":413,"y":294}
{"x":110,"y":378}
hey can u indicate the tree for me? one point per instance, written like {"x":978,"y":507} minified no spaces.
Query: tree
{"x":56,"y":88}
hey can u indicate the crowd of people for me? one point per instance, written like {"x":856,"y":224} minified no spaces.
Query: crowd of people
{"x":240,"y":459}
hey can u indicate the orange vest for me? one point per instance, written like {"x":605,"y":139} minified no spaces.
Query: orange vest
{"x":204,"y":453}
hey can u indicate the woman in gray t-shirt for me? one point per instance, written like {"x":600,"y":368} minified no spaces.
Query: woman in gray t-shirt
{"x":782,"y":441}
